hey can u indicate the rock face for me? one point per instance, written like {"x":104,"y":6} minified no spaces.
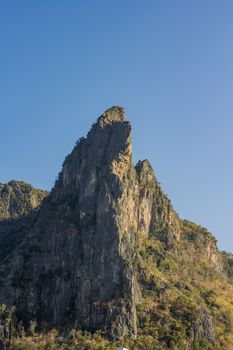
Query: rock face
{"x":79,"y":254}
{"x":201,"y":243}
{"x":75,"y":267}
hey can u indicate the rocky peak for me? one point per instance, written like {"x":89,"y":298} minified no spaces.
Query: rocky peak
{"x":143,"y":164}
{"x":145,"y":172}
{"x":88,"y":228}
{"x":78,"y":264}
{"x":107,"y":145}
{"x":112,"y":115}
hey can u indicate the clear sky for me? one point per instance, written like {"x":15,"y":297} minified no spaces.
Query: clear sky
{"x":168,"y":62}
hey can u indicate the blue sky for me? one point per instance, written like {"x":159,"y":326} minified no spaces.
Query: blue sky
{"x":168,"y":62}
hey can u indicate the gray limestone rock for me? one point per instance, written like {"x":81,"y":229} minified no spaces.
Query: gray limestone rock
{"x":75,"y":266}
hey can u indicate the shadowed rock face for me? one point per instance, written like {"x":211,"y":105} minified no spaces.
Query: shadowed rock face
{"x":76,"y":267}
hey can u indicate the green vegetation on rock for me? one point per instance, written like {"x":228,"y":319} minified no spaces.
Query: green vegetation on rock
{"x":18,"y":198}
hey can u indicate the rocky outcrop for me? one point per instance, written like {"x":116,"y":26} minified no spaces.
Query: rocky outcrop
{"x":204,"y":328}
{"x":157,"y":217}
{"x":201,"y":244}
{"x":18,"y":198}
{"x":73,"y":263}
{"x":78,"y":256}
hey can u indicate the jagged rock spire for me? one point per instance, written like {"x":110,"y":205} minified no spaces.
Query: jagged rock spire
{"x":112,"y":115}
{"x":81,"y":262}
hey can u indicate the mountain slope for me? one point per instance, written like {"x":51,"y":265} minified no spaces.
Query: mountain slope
{"x":107,"y":252}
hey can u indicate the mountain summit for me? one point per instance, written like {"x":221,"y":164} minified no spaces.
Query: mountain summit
{"x":105,"y":251}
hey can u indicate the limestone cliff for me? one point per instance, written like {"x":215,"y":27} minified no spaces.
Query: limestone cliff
{"x":77,"y":258}
{"x":105,"y":244}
